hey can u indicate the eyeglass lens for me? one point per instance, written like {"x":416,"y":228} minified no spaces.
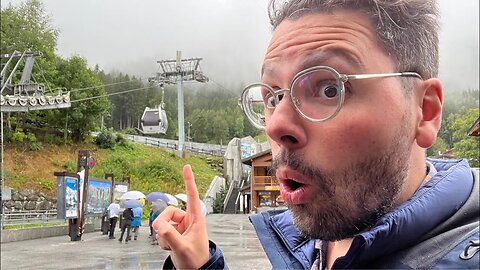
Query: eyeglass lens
{"x":316,"y":94}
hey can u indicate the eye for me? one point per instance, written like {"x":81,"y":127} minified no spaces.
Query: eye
{"x":270,"y":101}
{"x":327,"y":90}
{"x":330,"y":91}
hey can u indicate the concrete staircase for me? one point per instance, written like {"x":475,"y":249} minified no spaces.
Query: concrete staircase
{"x":230,"y":208}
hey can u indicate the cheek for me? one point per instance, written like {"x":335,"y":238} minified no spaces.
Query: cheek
{"x":349,"y":142}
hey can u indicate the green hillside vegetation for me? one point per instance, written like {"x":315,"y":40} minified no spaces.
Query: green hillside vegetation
{"x":149,"y":168}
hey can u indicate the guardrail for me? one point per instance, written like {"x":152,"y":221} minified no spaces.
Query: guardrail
{"x":38,"y":217}
{"x":200,"y":148}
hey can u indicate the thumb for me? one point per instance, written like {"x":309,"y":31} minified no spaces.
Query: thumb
{"x":168,"y":237}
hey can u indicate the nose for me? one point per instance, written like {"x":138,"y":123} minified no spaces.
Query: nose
{"x":285,"y":126}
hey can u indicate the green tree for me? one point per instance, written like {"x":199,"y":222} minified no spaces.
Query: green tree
{"x":438,"y":147}
{"x":83,"y":116}
{"x":27,"y":27}
{"x":466,"y":146}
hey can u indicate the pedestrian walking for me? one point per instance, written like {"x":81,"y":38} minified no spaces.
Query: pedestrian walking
{"x":137,"y":221}
{"x":113,"y":210}
{"x":126,"y":224}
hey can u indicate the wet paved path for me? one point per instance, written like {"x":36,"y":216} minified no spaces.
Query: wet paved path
{"x":233,"y":233}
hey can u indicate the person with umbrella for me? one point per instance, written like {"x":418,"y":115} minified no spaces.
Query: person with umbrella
{"x":126,"y":224}
{"x":158,"y":207}
{"x":137,"y":221}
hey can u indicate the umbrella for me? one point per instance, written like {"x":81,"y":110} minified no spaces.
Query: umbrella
{"x":155,"y":196}
{"x":182,"y":197}
{"x":132,"y":195}
{"x":204,"y":208}
{"x":171,"y":199}
{"x":131,"y":203}
{"x":159,"y":206}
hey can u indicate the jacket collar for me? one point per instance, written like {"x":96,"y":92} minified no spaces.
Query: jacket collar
{"x":432,"y":204}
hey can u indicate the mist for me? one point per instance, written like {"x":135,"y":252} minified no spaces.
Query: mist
{"x":230,"y":35}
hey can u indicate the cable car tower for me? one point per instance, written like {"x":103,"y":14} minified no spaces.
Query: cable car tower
{"x":176,"y":72}
{"x":27,"y":94}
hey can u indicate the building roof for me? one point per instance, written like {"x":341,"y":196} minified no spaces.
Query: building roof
{"x":475,"y":129}
{"x":249,"y":160}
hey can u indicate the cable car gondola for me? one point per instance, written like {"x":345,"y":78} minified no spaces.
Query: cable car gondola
{"x":154,"y":120}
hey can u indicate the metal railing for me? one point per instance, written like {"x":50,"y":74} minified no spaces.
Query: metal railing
{"x":37,"y":217}
{"x":200,"y":148}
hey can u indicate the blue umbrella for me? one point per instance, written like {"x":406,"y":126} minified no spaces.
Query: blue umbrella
{"x":155,"y":196}
{"x":132,"y":203}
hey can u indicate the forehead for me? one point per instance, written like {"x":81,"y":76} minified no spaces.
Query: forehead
{"x":321,"y":38}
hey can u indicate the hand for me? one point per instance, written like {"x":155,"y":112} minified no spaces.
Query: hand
{"x":184,"y":233}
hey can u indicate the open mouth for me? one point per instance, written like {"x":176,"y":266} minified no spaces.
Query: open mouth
{"x":292,"y":185}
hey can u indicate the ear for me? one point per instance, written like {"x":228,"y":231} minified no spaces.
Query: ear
{"x":430,"y":100}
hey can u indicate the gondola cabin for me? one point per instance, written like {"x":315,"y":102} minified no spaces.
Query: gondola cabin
{"x":154,"y":120}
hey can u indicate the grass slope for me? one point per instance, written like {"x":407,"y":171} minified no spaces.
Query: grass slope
{"x":150,"y":169}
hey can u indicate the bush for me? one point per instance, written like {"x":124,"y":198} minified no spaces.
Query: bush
{"x":35,"y":146}
{"x":106,"y":139}
{"x":130,"y":131}
{"x":70,"y":166}
{"x":46,"y":184}
{"x":121,"y":140}
{"x":20,"y":136}
{"x":52,"y":139}
{"x":218,"y":202}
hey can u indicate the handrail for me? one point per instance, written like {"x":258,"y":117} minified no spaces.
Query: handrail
{"x":229,"y":193}
{"x":238,"y":196}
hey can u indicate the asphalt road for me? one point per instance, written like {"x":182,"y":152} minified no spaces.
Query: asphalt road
{"x":233,"y":233}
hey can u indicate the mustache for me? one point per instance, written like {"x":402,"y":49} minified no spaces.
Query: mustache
{"x":296,"y":161}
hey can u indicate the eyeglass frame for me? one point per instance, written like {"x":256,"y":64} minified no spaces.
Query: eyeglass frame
{"x":341,"y":78}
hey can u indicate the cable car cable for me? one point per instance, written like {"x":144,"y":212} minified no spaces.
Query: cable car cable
{"x":112,"y":94}
{"x":100,"y":85}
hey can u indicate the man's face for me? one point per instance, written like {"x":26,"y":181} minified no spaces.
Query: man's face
{"x":339,"y":176}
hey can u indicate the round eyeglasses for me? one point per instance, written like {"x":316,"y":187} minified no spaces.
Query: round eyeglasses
{"x":317,"y":94}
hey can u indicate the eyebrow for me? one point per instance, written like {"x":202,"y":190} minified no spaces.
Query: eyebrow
{"x":319,"y":58}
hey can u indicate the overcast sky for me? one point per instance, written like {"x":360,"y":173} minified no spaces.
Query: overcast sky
{"x":230,"y":35}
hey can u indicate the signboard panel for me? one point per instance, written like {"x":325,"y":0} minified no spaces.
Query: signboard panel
{"x":71,"y":197}
{"x":247,"y":149}
{"x":98,"y":196}
{"x":68,"y":200}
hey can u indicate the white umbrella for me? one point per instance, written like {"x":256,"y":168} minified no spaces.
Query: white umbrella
{"x":132,"y":195}
{"x":204,"y":208}
{"x":171,"y":199}
{"x":182,"y":197}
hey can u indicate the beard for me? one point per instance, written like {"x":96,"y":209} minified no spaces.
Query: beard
{"x":350,"y":200}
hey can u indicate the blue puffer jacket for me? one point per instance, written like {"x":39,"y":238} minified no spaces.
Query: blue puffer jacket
{"x":433,"y":229}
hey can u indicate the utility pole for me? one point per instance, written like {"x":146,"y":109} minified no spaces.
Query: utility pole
{"x":176,"y":72}
{"x":84,"y":161}
{"x":189,"y":137}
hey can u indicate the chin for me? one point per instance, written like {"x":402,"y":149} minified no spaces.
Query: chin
{"x":333,"y":223}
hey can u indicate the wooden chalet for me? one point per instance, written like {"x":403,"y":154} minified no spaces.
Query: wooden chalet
{"x":263,"y":191}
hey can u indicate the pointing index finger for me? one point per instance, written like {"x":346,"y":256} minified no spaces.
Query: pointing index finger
{"x":193,"y":201}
